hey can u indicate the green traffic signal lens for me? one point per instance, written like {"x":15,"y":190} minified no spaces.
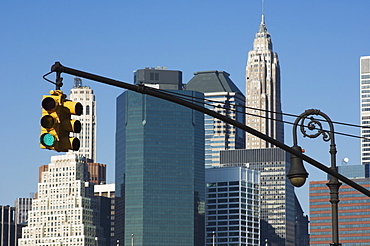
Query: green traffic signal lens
{"x":47,"y":139}
{"x":47,"y":122}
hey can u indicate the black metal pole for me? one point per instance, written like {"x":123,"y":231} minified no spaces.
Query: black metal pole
{"x":57,"y":67}
{"x":333,"y":184}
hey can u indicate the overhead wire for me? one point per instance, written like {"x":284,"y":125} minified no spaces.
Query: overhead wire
{"x":202,"y":101}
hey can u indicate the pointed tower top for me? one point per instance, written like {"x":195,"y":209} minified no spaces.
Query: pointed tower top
{"x":263,"y":28}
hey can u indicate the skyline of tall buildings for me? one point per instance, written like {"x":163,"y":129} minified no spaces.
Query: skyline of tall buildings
{"x":262,"y":91}
{"x":238,"y":207}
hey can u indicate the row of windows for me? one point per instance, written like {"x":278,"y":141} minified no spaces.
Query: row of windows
{"x":340,"y":226}
{"x":231,"y":183}
{"x":243,"y":200}
{"x":343,"y":214}
{"x":250,"y":190}
{"x":230,"y":228}
{"x":341,"y":238}
{"x":231,"y":217}
{"x":341,"y":208}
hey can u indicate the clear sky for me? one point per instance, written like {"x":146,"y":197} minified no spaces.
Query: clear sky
{"x":319,"y":44}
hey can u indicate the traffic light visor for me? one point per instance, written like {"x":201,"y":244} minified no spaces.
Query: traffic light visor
{"x":48,"y":103}
{"x":75,"y":108}
{"x":47,"y":122}
{"x":47,"y":139}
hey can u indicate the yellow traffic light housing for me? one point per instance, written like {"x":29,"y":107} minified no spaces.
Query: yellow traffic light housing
{"x":56,"y":122}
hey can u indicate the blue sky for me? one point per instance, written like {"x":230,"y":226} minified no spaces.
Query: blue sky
{"x":319,"y":44}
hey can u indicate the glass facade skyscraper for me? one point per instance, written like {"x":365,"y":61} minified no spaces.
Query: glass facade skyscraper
{"x":159,"y":171}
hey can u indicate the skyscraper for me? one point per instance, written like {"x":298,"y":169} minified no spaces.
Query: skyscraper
{"x":232,"y":206}
{"x":22,"y":207}
{"x":65,"y":212}
{"x":87,"y":136}
{"x":222,"y":96}
{"x":353,"y":214}
{"x":8,"y":233}
{"x":276,"y":192}
{"x":159,"y":169}
{"x":263,"y":100}
{"x":365,"y":108}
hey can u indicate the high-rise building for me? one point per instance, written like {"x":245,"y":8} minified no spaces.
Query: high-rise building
{"x":22,"y":207}
{"x":223,"y":96}
{"x":159,"y":78}
{"x":232,"y":206}
{"x":65,"y":212}
{"x":105,"y":194}
{"x":98,"y":172}
{"x":353,"y":214}
{"x":302,"y":236}
{"x":277,"y":216}
{"x":87,"y":136}
{"x":8,"y":231}
{"x":263,"y":102}
{"x":159,"y":170}
{"x":365,"y":108}
{"x":353,"y":209}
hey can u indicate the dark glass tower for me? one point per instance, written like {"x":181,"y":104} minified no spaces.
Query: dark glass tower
{"x":159,"y":172}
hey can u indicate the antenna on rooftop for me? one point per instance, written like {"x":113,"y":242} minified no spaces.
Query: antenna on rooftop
{"x":263,"y":11}
{"x":77,"y":82}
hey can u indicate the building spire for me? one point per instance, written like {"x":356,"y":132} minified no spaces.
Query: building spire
{"x":263,"y":12}
{"x":263,"y":28}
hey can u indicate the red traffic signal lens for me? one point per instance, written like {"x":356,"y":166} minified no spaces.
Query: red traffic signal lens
{"x":48,"y":103}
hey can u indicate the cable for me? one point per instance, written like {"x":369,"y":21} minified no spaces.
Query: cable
{"x":201,"y":100}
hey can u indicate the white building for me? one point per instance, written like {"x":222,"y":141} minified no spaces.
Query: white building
{"x":64,"y":212}
{"x":263,"y":100}
{"x":365,"y":108}
{"x":87,"y":137}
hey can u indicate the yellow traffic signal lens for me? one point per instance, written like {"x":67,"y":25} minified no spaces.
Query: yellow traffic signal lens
{"x":47,"y":139}
{"x":47,"y":122}
{"x":48,"y":103}
{"x":76,"y":126}
{"x":75,"y":144}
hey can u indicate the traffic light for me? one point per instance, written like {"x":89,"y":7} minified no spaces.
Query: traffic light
{"x":56,"y":122}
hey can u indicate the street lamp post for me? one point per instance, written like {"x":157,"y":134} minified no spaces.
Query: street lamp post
{"x":297,"y":173}
{"x":132,"y":239}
